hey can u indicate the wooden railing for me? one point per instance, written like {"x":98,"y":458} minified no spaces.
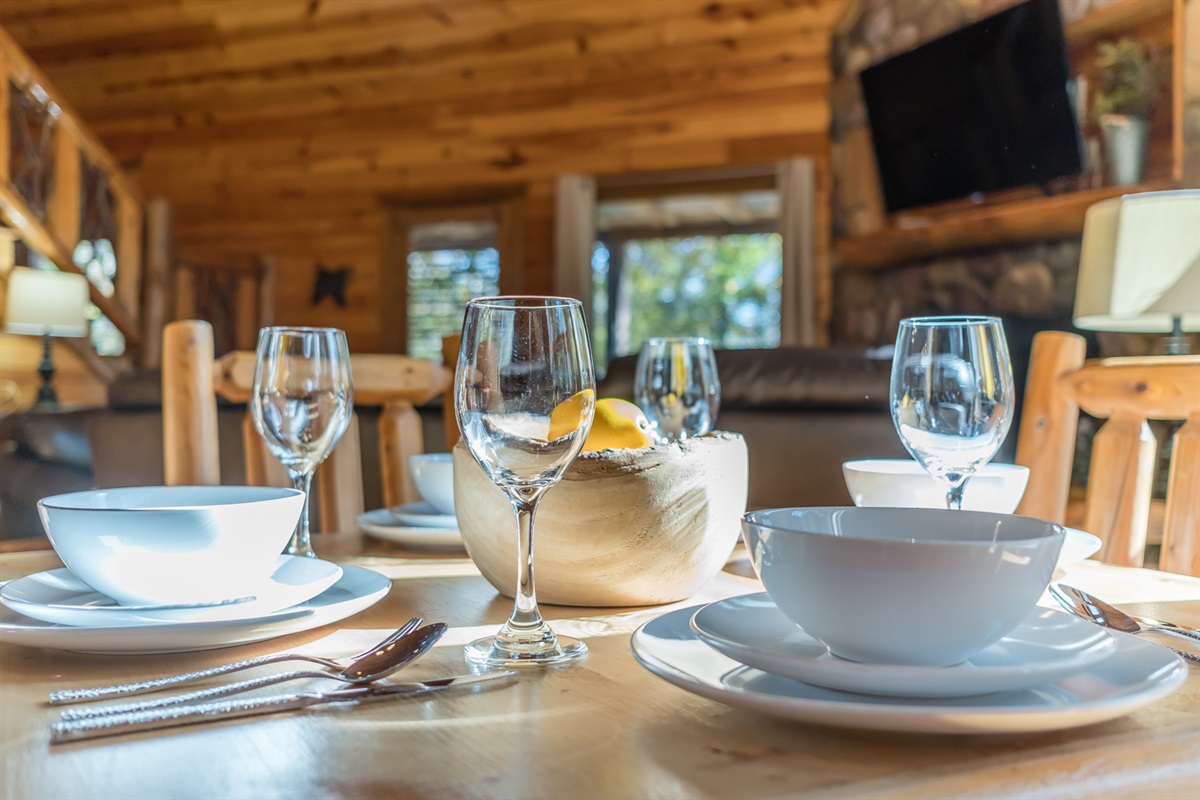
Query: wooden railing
{"x":58,"y":186}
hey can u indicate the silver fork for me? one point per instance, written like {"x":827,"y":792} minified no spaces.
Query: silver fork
{"x":69,"y":696}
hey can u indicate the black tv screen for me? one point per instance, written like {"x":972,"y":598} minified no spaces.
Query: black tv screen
{"x":983,"y":108}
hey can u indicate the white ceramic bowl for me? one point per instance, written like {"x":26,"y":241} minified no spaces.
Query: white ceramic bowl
{"x":433,"y":474}
{"x":172,"y":544}
{"x":902,"y":586}
{"x":903,"y":483}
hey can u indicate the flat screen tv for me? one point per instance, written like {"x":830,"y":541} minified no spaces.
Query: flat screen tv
{"x":986,"y":107}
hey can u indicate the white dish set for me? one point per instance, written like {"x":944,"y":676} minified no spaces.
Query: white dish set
{"x":430,"y":522}
{"x":166,"y":569}
{"x":905,"y":619}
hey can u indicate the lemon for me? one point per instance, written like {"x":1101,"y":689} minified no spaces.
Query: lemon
{"x":568,"y":415}
{"x":617,"y":424}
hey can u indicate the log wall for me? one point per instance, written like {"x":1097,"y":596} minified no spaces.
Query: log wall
{"x":277,"y":126}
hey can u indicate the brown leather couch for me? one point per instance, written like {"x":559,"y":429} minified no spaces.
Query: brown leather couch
{"x":802,"y":411}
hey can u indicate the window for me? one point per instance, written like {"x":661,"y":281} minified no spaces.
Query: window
{"x":444,"y":272}
{"x":687,"y":265}
{"x":99,"y":262}
{"x":439,"y":258}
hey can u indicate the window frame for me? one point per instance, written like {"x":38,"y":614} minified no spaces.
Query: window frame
{"x":505,"y":212}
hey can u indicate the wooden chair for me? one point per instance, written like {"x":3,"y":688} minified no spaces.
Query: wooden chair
{"x":192,"y":379}
{"x":1126,"y":392}
{"x":450,"y":346}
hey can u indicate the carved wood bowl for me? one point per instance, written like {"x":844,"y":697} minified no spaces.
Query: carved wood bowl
{"x":622,"y":528}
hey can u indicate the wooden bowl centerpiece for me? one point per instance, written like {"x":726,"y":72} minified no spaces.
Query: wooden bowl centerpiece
{"x":623,"y":527}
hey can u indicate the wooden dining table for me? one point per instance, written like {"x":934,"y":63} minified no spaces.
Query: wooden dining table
{"x":603,"y":728}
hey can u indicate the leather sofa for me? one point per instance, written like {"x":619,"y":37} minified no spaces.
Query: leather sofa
{"x":802,"y":411}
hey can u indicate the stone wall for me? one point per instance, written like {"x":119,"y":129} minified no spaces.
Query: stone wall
{"x":1031,"y":284}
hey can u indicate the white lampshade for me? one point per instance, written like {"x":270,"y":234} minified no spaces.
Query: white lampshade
{"x":44,"y":302}
{"x":1140,"y":263}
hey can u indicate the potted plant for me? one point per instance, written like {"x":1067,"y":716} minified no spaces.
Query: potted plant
{"x":1128,"y":87}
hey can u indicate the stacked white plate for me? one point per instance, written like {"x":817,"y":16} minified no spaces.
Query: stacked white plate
{"x":413,"y":524}
{"x":1053,"y":671}
{"x":55,"y":609}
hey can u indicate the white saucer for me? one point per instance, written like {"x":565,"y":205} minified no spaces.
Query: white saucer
{"x":423,"y":515}
{"x":358,"y":588}
{"x":1139,"y":673}
{"x":58,"y":596}
{"x":382,"y":524}
{"x":1077,"y":545}
{"x":1047,"y":646}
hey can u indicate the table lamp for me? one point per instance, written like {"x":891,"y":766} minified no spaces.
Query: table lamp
{"x":1139,"y":269}
{"x":45,"y":303}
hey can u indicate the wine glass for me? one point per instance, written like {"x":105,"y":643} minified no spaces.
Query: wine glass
{"x":677,"y":388}
{"x":952,"y":395}
{"x":301,"y":405}
{"x":524,"y":395}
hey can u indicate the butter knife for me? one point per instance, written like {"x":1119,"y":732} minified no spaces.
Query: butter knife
{"x":114,"y":724}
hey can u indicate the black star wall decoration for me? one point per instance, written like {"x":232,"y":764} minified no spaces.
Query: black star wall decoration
{"x":331,"y":282}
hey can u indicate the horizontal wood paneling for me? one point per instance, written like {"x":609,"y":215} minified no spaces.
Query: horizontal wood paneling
{"x":276,"y":126}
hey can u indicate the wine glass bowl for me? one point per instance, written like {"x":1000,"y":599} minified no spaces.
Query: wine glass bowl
{"x":677,"y":387}
{"x":952,"y":396}
{"x":301,"y":405}
{"x":524,"y":397}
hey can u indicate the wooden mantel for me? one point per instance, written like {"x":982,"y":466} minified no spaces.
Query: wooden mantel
{"x":1016,"y":222}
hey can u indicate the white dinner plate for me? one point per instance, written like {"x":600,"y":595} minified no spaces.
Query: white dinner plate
{"x":1138,"y":673}
{"x":381,"y":523}
{"x":1047,"y":646}
{"x":356,"y":589}
{"x":58,"y":596}
{"x":1077,"y":545}
{"x":423,"y":515}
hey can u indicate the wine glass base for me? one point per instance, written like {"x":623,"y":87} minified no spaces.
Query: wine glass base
{"x":494,"y":651}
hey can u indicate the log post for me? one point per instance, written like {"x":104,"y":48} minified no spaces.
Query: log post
{"x":191,"y":452}
{"x":339,"y":483}
{"x":1049,"y":424}
{"x":1119,"y":484}
{"x":1181,"y":527}
{"x":400,"y":436}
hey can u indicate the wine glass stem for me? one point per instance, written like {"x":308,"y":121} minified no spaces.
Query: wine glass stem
{"x":300,"y":544}
{"x":525,"y":618}
{"x":954,"y":495}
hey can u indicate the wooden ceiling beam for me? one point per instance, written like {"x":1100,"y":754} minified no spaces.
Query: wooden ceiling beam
{"x":312,"y":134}
{"x":215,"y":114}
{"x":437,"y":51}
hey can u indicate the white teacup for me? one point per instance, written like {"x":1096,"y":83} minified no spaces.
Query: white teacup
{"x":433,"y":474}
{"x":903,"y":483}
{"x":899,"y":585}
{"x":155,"y":545}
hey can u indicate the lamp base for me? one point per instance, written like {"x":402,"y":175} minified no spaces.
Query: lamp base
{"x":47,"y":398}
{"x":1176,"y":344}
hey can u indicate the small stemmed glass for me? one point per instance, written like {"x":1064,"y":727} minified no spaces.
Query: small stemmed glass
{"x":301,"y":405}
{"x":952,"y":395}
{"x":524,"y":396}
{"x":677,"y":388}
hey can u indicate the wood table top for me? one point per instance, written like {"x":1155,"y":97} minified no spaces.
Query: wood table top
{"x":606,"y":728}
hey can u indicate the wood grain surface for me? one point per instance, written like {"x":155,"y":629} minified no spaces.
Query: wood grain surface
{"x":606,"y":728}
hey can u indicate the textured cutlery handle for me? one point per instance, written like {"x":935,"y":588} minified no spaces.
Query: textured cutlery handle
{"x":1186,"y":656}
{"x":68,"y":696}
{"x":1174,"y":630}
{"x":113,"y":724}
{"x":189,"y":698}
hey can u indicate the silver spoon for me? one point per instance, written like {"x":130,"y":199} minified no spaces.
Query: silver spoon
{"x":68,"y":696}
{"x":1088,"y":607}
{"x":374,"y":665}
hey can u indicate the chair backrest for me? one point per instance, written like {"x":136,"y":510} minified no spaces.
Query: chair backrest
{"x":450,"y":345}
{"x":193,"y":378}
{"x":1126,"y":393}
